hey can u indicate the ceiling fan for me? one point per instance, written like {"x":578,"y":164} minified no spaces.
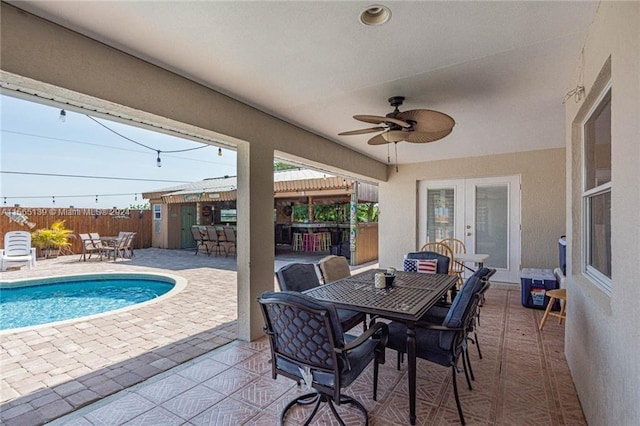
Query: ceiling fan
{"x":416,"y":125}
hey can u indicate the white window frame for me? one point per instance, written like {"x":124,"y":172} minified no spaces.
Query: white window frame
{"x":593,"y":274}
{"x":157,"y":211}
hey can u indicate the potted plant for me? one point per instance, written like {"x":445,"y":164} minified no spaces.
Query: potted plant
{"x":51,"y":240}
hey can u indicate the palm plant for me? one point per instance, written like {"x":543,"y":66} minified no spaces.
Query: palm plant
{"x":51,"y":240}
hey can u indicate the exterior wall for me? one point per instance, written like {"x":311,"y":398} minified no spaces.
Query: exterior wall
{"x":602,"y":343}
{"x":542,"y":176}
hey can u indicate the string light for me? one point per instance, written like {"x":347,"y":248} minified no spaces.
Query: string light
{"x":158,"y":160}
{"x":5,"y":201}
{"x":96,"y":198}
{"x":63,"y":116}
{"x":219,"y":152}
{"x":54,"y":200}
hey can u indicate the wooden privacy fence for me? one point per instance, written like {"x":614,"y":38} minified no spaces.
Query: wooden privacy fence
{"x":106,"y":222}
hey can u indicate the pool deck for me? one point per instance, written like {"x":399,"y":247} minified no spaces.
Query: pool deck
{"x":51,"y":370}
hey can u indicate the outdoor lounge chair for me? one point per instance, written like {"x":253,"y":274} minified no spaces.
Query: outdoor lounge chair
{"x":17,"y":249}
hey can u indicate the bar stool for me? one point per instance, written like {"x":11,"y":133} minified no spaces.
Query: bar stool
{"x":560,"y":294}
{"x":317,"y":241}
{"x":326,"y":241}
{"x":307,"y":242}
{"x":297,"y":241}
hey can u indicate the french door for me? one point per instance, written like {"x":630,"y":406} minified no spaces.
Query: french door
{"x":484,"y":213}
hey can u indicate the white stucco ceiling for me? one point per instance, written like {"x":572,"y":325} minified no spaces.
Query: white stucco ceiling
{"x":500,"y":69}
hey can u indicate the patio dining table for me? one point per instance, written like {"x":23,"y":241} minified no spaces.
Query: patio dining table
{"x":408,"y":299}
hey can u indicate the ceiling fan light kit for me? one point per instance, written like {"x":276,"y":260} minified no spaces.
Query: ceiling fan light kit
{"x":415,"y":126}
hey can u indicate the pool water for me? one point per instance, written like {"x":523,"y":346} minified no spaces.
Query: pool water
{"x":41,"y":304}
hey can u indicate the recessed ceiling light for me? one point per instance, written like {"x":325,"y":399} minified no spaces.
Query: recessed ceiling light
{"x":375,"y":15}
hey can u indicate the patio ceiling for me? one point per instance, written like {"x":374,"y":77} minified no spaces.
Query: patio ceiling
{"x":499,"y":68}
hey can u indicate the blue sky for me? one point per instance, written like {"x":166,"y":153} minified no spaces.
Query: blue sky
{"x":34,"y":140}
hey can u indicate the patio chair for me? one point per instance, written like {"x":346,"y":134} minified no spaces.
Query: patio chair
{"x":303,"y":276}
{"x":212,"y":233}
{"x":97,"y":241}
{"x":308,"y":345}
{"x":88,"y":247}
{"x":457,"y":247}
{"x":230,"y":240}
{"x":443,"y":343}
{"x":438,"y":313}
{"x":17,"y":249}
{"x":118,"y":248}
{"x":443,"y":250}
{"x":334,"y":268}
{"x":200,"y":239}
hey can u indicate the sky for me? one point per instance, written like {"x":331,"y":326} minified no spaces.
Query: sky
{"x":33,"y":140}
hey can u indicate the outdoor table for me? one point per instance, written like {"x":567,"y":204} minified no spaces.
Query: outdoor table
{"x":408,"y":299}
{"x":111,"y":242}
{"x":477,"y":258}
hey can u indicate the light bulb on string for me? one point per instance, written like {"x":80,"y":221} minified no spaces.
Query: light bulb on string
{"x":158,"y":160}
{"x":135,"y":197}
{"x":54,"y":200}
{"x":219,"y":152}
{"x":63,"y":116}
{"x":96,"y":198}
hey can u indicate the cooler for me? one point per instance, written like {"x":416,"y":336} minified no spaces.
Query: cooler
{"x":535,"y":283}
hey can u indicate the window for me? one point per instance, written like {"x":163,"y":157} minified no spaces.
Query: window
{"x":157,"y":212}
{"x":597,"y":191}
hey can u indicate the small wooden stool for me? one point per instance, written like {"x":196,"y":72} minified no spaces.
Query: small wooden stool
{"x":560,"y":294}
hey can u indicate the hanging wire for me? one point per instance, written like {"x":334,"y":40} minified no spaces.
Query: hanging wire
{"x":578,"y":92}
{"x":396,"y":148}
{"x":141,"y":144}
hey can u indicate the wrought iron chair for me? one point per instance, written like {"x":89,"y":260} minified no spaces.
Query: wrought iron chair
{"x":443,"y":343}
{"x":308,"y":345}
{"x":303,"y":276}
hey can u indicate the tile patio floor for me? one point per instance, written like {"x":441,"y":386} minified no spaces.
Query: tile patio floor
{"x":177,"y":363}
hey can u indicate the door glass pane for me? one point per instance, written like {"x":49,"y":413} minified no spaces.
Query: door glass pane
{"x":492,"y":224}
{"x":440,"y":214}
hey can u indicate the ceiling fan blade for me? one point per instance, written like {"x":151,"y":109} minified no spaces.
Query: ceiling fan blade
{"x":376,"y":119}
{"x":426,"y":137}
{"x":361,"y":131}
{"x":377,"y":140}
{"x":427,"y":120}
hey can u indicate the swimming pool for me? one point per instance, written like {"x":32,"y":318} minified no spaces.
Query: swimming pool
{"x":41,"y":301}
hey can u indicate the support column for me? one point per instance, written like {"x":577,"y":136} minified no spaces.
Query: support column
{"x":353,"y":223}
{"x":255,"y":246}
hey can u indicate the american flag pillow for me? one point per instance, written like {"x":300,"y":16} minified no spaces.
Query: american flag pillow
{"x":427,"y":266}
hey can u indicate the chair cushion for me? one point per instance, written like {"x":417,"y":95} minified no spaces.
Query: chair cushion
{"x":443,"y":261}
{"x":427,"y":343}
{"x":349,"y":319}
{"x":427,"y":266}
{"x":358,"y":359}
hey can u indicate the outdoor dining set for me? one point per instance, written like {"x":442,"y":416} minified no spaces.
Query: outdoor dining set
{"x":120,"y":246}
{"x":421,"y":312}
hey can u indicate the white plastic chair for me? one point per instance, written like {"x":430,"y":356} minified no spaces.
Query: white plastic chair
{"x":17,"y":249}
